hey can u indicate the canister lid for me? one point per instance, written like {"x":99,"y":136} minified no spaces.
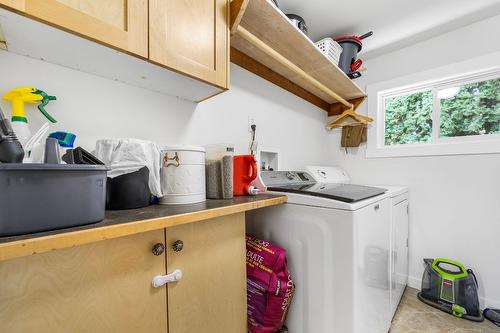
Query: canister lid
{"x":183,"y":148}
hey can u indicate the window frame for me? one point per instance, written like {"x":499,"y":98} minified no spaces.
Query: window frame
{"x":434,"y":80}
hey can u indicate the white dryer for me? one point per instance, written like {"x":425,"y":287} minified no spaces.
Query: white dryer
{"x":338,"y":240}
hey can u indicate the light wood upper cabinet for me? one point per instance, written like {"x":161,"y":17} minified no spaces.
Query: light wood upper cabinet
{"x":122,"y":24}
{"x":15,"y":4}
{"x":99,"y":287}
{"x":192,"y":37}
{"x":211,"y":296}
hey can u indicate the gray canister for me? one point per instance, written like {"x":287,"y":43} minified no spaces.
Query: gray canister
{"x":350,"y":49}
{"x":42,"y":197}
{"x":219,"y":171}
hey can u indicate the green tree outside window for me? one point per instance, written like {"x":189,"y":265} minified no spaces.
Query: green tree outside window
{"x":470,"y":109}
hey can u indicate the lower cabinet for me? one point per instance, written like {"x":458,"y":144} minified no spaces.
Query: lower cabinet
{"x":107,"y":286}
{"x":99,"y":287}
{"x":211,"y":296}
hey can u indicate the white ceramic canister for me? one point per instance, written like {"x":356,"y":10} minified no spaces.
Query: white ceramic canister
{"x":183,"y":175}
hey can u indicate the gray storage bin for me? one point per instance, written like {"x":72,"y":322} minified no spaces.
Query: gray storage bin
{"x":42,"y":197}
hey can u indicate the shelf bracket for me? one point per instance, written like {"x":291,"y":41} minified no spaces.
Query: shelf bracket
{"x":237,"y":10}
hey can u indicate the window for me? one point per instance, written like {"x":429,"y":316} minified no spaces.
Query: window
{"x":408,"y":118}
{"x":462,"y":109}
{"x":438,"y":116}
{"x":470,"y":109}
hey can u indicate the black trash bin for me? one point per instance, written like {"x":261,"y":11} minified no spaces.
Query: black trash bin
{"x":128,"y":191}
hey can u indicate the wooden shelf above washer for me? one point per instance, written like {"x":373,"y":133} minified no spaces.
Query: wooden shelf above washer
{"x":316,"y":80}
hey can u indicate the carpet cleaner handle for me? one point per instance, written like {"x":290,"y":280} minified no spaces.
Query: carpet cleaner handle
{"x":438,"y":265}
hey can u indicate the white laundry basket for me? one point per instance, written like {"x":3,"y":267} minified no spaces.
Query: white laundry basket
{"x":330,"y":48}
{"x":183,"y":175}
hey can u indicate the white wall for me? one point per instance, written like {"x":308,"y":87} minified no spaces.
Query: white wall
{"x":93,"y":107}
{"x":455,"y":201}
{"x":455,"y":206}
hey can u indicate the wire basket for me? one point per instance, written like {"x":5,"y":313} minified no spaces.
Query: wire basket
{"x":330,"y":48}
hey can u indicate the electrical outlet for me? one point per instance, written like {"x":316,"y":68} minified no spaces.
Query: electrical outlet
{"x":251,"y":121}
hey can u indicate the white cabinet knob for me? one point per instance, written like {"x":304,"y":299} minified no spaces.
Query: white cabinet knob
{"x":161,"y":280}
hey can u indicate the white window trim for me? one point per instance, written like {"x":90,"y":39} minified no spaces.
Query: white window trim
{"x":477,"y":69}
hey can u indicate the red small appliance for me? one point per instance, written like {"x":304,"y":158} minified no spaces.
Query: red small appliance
{"x":244,"y":173}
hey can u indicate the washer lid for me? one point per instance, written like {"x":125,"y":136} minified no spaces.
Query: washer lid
{"x":312,"y":201}
{"x":341,"y":192}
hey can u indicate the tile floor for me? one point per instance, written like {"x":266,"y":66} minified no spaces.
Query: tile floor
{"x":414,"y":316}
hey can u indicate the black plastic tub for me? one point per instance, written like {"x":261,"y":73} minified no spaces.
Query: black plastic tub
{"x":128,"y":191}
{"x":42,"y":197}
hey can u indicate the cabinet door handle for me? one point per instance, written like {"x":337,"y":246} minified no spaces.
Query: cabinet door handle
{"x":178,"y":246}
{"x":161,"y":280}
{"x":158,"y":249}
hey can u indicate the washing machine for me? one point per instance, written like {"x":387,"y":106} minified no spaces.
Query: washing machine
{"x":338,"y":241}
{"x":399,"y":212}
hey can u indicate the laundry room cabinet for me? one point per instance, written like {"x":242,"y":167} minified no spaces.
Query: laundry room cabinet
{"x":122,"y":24}
{"x":211,"y":296}
{"x":98,"y":287}
{"x":190,"y":37}
{"x":107,"y":286}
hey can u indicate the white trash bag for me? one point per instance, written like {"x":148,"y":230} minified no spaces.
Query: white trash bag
{"x":125,"y":156}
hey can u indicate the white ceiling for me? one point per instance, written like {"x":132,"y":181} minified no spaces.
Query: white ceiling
{"x":395,"y":23}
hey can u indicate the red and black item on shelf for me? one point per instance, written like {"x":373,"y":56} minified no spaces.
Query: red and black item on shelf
{"x":351,"y":46}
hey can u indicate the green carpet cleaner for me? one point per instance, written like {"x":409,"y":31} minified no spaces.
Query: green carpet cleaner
{"x":448,"y":286}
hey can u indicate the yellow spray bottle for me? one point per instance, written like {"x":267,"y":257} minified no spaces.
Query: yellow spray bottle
{"x":18,"y":97}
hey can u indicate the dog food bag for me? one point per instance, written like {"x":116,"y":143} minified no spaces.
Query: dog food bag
{"x":269,"y":286}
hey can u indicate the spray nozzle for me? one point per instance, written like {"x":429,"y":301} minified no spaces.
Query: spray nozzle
{"x":45,"y":100}
{"x":31,"y":95}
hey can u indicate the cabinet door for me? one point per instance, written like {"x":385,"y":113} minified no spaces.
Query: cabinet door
{"x":99,"y":287}
{"x":400,"y":252}
{"x":211,"y":296}
{"x":192,"y":37}
{"x":122,"y":24}
{"x":15,"y":4}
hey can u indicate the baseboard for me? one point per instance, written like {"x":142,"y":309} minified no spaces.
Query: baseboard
{"x":489,"y":303}
{"x":416,"y":283}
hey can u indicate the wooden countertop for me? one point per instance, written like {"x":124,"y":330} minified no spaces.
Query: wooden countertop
{"x":129,"y":222}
